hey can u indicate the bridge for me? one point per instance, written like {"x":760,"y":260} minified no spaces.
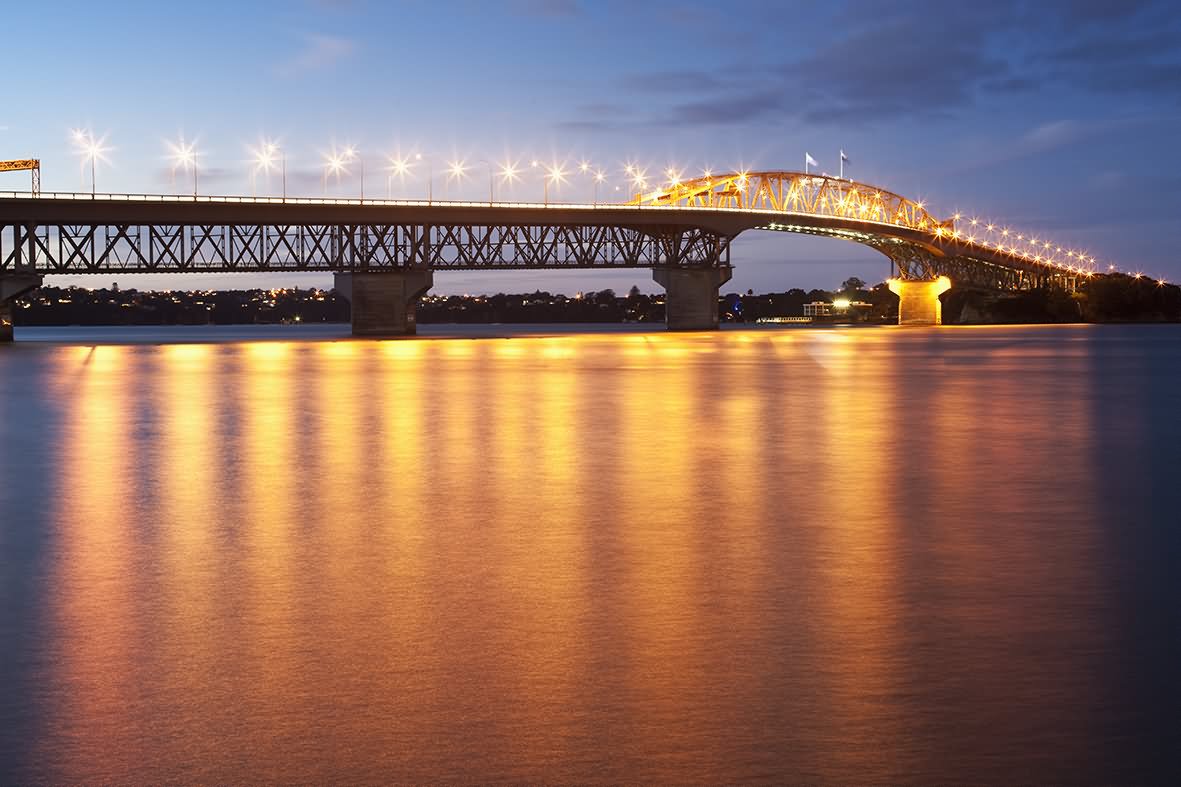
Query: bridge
{"x":384,"y":252}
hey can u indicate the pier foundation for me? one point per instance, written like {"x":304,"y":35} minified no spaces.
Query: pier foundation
{"x":918,"y":300}
{"x":691,"y":296}
{"x":384,"y":304}
{"x":12,"y":286}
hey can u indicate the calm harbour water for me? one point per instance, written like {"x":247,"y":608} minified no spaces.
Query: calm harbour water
{"x":792,"y":555}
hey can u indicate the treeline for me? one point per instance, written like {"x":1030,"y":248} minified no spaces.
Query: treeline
{"x":77,"y":306}
{"x":606,"y":306}
{"x":1112,"y":297}
{"x":1102,"y":298}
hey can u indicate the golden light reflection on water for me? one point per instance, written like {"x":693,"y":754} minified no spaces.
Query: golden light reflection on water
{"x":554,"y":558}
{"x":95,"y":631}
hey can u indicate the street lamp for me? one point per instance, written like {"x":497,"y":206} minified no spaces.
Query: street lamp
{"x":491,"y":193}
{"x":283,"y":165}
{"x":639,"y":178}
{"x":398,"y":166}
{"x":597,"y":176}
{"x":89,"y":149}
{"x":556,"y":174}
{"x":352,"y":154}
{"x":509,"y":173}
{"x":335,"y":164}
{"x":264,"y":159}
{"x":456,"y":169}
{"x":184,"y":155}
{"x":430,"y":178}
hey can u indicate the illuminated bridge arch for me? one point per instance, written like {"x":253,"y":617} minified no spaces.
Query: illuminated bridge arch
{"x":920,"y":245}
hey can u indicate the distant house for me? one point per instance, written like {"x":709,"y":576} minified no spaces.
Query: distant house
{"x":817,"y":309}
{"x":838,"y":308}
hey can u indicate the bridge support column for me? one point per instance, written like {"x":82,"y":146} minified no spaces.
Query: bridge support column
{"x":384,"y":304}
{"x":12,"y":286}
{"x":691,"y":296}
{"x":918,"y":301}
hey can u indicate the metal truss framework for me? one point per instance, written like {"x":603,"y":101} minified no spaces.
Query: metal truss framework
{"x":918,"y":261}
{"x":914,"y":262}
{"x":933,"y":248}
{"x":138,"y":248}
{"x":796,"y":192}
{"x":32,"y":165}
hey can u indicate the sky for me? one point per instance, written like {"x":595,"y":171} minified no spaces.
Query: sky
{"x":1057,"y":117}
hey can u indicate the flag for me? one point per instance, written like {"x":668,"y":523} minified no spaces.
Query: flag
{"x":844,"y":157}
{"x":811,"y":161}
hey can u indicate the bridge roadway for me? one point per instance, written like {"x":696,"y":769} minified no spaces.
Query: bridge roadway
{"x":383,"y":252}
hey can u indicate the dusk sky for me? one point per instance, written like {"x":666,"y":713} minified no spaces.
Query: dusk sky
{"x":1059,"y":118}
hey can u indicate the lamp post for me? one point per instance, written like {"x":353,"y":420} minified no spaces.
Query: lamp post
{"x":430,"y":177}
{"x":333,"y":163}
{"x":456,"y":169}
{"x":398,"y":166}
{"x":92,"y":149}
{"x":491,"y":193}
{"x":639,"y":178}
{"x":508,"y":172}
{"x":555,"y":174}
{"x":351,"y":154}
{"x":264,"y":159}
{"x":184,"y":155}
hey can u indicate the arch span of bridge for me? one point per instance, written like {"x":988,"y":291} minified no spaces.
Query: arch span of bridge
{"x":384,"y":252}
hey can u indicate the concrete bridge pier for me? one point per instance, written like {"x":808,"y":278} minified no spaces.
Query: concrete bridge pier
{"x":691,"y":296}
{"x":12,"y":286}
{"x":918,"y":300}
{"x":384,"y":304}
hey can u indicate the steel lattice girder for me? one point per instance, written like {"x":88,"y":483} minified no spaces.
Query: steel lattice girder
{"x":869,"y":212}
{"x":795,"y":192}
{"x":138,"y":248}
{"x":915,"y":262}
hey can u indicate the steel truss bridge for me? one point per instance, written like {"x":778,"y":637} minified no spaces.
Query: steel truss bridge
{"x":687,"y":225}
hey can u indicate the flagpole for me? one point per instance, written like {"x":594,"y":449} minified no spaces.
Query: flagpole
{"x":842,"y":175}
{"x":805,"y":163}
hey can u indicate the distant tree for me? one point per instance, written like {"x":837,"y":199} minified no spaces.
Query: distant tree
{"x":634,"y":292}
{"x":852,"y":284}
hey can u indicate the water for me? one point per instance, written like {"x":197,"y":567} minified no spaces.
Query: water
{"x":793,"y":555}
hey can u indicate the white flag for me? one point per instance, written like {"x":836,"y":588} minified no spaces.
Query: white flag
{"x":811,"y":161}
{"x":843,"y":156}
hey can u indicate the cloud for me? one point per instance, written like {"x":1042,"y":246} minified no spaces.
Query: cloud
{"x":927,"y":59}
{"x":1049,"y":136}
{"x":318,"y":52}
